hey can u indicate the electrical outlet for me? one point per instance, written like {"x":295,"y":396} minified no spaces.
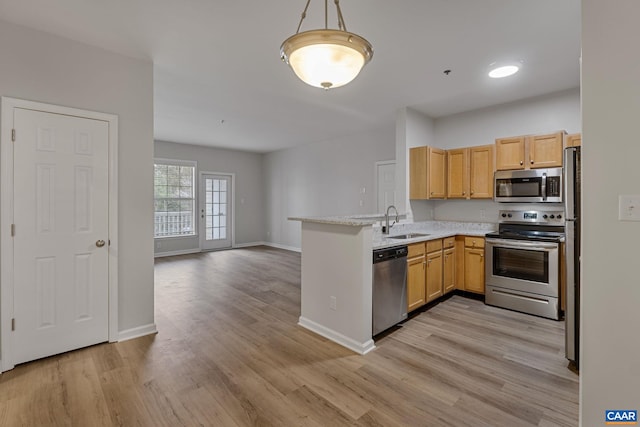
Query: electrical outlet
{"x":333,"y":303}
{"x":483,"y":214}
{"x":158,"y":245}
{"x":629,"y":208}
{"x":361,"y":203}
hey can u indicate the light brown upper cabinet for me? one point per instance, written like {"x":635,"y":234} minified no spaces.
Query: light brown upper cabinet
{"x":545,"y":151}
{"x":458,"y":173}
{"x":530,"y":152}
{"x":510,"y":153}
{"x":427,"y":173}
{"x":481,"y":172}
{"x":573,"y":140}
{"x":470,"y":173}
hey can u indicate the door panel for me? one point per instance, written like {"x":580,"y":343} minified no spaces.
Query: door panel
{"x":215,"y":211}
{"x":386,"y":180}
{"x":60,"y":212}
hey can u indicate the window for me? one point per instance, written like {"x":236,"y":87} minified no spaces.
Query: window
{"x":174,"y":198}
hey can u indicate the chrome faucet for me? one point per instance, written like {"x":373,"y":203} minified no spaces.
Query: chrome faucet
{"x":387,"y":228}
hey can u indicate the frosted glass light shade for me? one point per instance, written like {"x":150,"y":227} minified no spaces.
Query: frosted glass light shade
{"x":326,"y":58}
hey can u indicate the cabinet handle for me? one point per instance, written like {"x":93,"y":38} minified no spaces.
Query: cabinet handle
{"x":521,"y":163}
{"x":472,"y":193}
{"x":432,"y":193}
{"x":531,"y":161}
{"x":464,"y":192}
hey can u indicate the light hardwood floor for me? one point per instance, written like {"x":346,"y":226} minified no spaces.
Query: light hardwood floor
{"x":229,"y":353}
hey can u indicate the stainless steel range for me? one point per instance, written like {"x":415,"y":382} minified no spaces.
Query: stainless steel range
{"x":522,"y":262}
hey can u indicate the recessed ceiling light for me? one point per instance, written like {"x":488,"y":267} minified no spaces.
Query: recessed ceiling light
{"x":503,"y":71}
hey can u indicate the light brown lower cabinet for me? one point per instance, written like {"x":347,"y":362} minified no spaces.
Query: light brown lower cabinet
{"x":448,"y":270}
{"x":416,"y":282}
{"x":437,"y":267}
{"x":434,"y":275}
{"x":474,"y":264}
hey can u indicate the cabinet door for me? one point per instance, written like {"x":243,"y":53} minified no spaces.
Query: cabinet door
{"x":434,"y":275}
{"x":474,"y":270}
{"x":415,"y":283}
{"x":418,"y":173}
{"x":510,"y":153}
{"x":481,"y":177}
{"x":458,"y":174}
{"x":449,"y":270}
{"x":437,"y":173}
{"x":573,"y":140}
{"x":545,"y":151}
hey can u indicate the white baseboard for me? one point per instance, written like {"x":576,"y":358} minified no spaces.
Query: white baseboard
{"x":285,"y":247}
{"x":140,"y":331}
{"x":350,"y":343}
{"x":247,"y":245}
{"x":172,"y":253}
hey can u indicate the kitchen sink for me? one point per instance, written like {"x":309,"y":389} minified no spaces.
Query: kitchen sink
{"x":407,"y":236}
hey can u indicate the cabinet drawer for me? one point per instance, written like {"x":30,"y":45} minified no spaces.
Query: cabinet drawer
{"x":474,"y":242}
{"x":434,"y":245}
{"x":449,"y":242}
{"x":415,"y":249}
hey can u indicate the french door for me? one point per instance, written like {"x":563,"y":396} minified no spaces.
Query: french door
{"x":215,"y":211}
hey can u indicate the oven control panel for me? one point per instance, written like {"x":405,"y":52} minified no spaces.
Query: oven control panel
{"x":550,"y":217}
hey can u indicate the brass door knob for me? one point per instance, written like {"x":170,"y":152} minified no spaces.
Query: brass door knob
{"x":531,"y":161}
{"x":100,"y":243}
{"x":521,"y":163}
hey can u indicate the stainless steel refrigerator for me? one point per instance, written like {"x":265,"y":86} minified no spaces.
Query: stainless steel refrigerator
{"x":572,"y":259}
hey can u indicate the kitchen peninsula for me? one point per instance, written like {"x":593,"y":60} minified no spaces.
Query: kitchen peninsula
{"x":337,"y":265}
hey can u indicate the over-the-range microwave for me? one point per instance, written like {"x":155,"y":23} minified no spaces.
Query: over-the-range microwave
{"x":529,"y":186}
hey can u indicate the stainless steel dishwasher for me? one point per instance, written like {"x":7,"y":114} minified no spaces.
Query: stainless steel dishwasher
{"x":389,"y":287}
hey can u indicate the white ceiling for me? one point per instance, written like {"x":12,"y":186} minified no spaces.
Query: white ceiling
{"x":219,"y":81}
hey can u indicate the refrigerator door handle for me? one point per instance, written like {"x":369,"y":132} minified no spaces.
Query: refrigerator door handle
{"x":570,"y":304}
{"x":569,"y":182}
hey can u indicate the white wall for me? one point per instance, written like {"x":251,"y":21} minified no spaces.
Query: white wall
{"x":45,"y":68}
{"x":545,"y":114}
{"x":322,"y":179}
{"x":249,"y":201}
{"x":610,"y":352}
{"x":413,"y":129}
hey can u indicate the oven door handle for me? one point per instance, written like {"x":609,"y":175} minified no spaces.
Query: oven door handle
{"x":509,"y":244}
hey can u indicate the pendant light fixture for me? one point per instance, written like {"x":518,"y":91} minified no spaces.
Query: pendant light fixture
{"x":326,"y":58}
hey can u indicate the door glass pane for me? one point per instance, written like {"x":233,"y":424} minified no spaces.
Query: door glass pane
{"x":216,"y":200}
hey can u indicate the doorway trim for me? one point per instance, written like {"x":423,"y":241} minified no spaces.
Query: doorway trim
{"x":6,"y":215}
{"x":375,"y":177}
{"x":201,"y":230}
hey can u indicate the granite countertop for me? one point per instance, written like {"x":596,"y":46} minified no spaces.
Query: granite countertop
{"x":433,"y":230}
{"x":353,"y":220}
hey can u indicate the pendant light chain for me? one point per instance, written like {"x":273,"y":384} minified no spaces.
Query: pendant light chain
{"x":304,"y":15}
{"x":341,"y":24}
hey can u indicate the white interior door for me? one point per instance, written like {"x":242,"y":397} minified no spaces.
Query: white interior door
{"x":386,"y":182}
{"x":60,"y":246}
{"x":215,"y":211}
